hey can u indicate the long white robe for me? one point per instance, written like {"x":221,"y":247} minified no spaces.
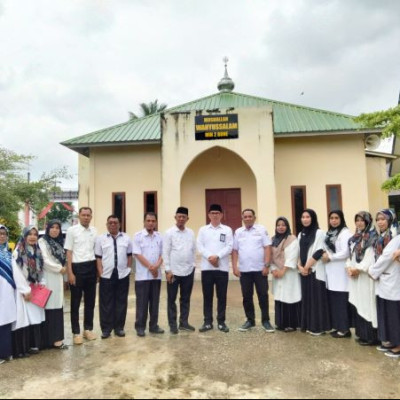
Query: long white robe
{"x":8,"y":307}
{"x":362,"y":287}
{"x":288,"y":288}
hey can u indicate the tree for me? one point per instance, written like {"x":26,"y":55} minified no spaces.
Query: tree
{"x":16,"y":189}
{"x":58,"y":211}
{"x":148,"y":109}
{"x":389,"y":122}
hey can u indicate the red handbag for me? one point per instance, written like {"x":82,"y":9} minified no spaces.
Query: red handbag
{"x":40,"y":295}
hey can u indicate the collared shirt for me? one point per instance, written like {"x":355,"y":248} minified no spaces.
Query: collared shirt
{"x":250,"y":244}
{"x":215,"y":241}
{"x":179,"y":251}
{"x":80,"y":241}
{"x":114,"y":257}
{"x":150,"y":247}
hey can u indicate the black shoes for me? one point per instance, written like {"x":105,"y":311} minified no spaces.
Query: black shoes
{"x":186,"y":327}
{"x":140,"y":332}
{"x":340,"y":334}
{"x":205,"y":327}
{"x":119,"y":333}
{"x":268,"y":327}
{"x":246,"y":326}
{"x":105,"y":335}
{"x":156,"y":330}
{"x":174,"y":330}
{"x":223,"y":328}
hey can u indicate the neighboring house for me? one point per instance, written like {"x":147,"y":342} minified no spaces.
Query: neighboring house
{"x":235,"y":149}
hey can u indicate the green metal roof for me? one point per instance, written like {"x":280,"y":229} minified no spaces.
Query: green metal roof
{"x":287,"y":118}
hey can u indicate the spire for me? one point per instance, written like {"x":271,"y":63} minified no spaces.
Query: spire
{"x":226,"y":84}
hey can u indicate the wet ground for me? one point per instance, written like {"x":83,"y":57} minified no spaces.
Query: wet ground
{"x":252,"y":364}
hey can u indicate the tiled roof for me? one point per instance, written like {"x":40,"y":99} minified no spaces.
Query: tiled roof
{"x":288,"y":119}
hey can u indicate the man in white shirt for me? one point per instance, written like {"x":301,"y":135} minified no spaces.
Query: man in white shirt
{"x":82,"y":276}
{"x":114,"y":260}
{"x":252,"y":248}
{"x":147,"y":248}
{"x":214,"y":243}
{"x":179,"y":252}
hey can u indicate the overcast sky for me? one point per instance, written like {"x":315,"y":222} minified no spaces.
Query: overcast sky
{"x":69,"y":67}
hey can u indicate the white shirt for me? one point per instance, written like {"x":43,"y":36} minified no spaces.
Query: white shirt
{"x":215,"y":241}
{"x":386,"y":272}
{"x":250,"y":244}
{"x":179,"y":251}
{"x":80,"y":241}
{"x":104,"y":249}
{"x":150,"y":247}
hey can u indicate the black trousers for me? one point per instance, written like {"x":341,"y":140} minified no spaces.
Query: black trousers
{"x":185,"y":284}
{"x":147,"y":302}
{"x":113,"y":298}
{"x":247,"y":282}
{"x":209,"y":279}
{"x":85,"y":274}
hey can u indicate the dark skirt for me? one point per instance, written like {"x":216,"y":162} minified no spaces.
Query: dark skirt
{"x":340,"y":311}
{"x":21,"y":342}
{"x":5,"y":342}
{"x":53,"y":328}
{"x":314,"y":305}
{"x":388,"y":321}
{"x":364,"y":329}
{"x":287,"y":315}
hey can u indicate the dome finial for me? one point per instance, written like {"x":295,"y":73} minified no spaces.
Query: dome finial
{"x":226,"y":84}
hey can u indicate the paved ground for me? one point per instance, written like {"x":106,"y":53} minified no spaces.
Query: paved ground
{"x":253,"y":364}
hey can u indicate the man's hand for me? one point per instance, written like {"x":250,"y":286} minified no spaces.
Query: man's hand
{"x":71,"y":278}
{"x":170,"y":276}
{"x":214,"y":261}
{"x":236,"y":271}
{"x":265,"y":271}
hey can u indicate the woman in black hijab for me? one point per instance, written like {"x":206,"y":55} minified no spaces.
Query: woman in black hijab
{"x":315,"y":317}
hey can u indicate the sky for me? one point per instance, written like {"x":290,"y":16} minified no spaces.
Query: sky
{"x":70,"y":67}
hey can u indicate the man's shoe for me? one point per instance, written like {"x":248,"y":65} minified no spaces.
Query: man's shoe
{"x":89,"y":335}
{"x":205,"y":328}
{"x":186,"y":327}
{"x":268,"y":327}
{"x":140,"y":332}
{"x":119,"y":332}
{"x":340,"y":334}
{"x":156,"y":330}
{"x":223,"y":328}
{"x":105,"y":335}
{"x":77,"y":339}
{"x":174,"y":330}
{"x":246,"y":326}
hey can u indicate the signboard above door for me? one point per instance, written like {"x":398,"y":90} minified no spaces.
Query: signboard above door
{"x":212,"y":127}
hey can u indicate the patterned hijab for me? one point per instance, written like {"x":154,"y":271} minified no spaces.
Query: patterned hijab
{"x":361,"y":240}
{"x":385,"y":237}
{"x":30,"y":256}
{"x":5,"y":261}
{"x":56,"y":245}
{"x":333,"y":233}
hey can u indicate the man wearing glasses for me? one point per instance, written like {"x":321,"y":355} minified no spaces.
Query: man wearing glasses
{"x":214,"y":243}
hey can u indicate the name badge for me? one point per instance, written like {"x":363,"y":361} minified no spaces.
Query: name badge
{"x":222,"y":237}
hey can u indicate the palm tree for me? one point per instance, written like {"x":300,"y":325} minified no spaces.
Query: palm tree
{"x":148,"y":109}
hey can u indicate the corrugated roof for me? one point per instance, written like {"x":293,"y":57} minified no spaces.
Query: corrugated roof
{"x":288,"y":119}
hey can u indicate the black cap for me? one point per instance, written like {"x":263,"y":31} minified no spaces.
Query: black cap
{"x":215,"y":207}
{"x":182,"y":210}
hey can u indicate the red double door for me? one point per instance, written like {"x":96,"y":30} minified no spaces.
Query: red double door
{"x":230,"y":201}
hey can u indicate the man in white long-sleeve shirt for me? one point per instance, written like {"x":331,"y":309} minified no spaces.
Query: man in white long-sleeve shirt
{"x":179,"y":251}
{"x":214,"y":243}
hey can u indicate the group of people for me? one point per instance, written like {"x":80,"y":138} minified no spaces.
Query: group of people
{"x":321,"y":281}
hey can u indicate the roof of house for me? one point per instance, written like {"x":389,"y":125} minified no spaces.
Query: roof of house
{"x":288,"y":119}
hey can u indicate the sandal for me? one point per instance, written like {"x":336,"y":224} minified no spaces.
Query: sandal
{"x":62,"y":346}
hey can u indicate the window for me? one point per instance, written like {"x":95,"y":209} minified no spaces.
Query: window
{"x":333,"y":197}
{"x":298,"y":206}
{"x":118,"y":208}
{"x":150,"y":202}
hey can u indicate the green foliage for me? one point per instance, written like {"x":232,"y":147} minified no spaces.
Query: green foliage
{"x":15,"y":188}
{"x":387,"y":120}
{"x":58,"y":211}
{"x":148,"y":109}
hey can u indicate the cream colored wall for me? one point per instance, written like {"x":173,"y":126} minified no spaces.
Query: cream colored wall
{"x":376,"y":175}
{"x":217,"y":168}
{"x":84,"y":180}
{"x":130,"y":169}
{"x":318,"y":161}
{"x":255,"y":145}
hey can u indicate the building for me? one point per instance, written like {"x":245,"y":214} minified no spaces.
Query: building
{"x":238,"y":150}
